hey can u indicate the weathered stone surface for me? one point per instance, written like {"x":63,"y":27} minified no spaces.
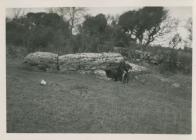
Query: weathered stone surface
{"x":85,"y":63}
{"x":88,"y":61}
{"x":42,"y":60}
{"x":101,"y":74}
{"x":136,"y":68}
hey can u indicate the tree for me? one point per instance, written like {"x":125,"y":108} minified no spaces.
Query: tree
{"x":37,"y":31}
{"x":112,"y":20}
{"x":94,"y":30}
{"x":175,"y":41}
{"x":188,"y":40}
{"x":95,"y":25}
{"x":71,"y":14}
{"x":167,"y":28}
{"x":170,"y":63}
{"x":189,"y":28}
{"x":47,"y":29}
{"x":18,"y":12}
{"x":144,"y":24}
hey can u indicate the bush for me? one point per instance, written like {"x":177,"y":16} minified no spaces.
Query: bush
{"x":185,"y":62}
{"x":169,"y":63}
{"x":176,"y":61}
{"x":15,"y":51}
{"x":37,"y":31}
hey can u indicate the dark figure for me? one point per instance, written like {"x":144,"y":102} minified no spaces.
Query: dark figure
{"x":125,"y":77}
{"x":57,"y":66}
{"x":114,"y":74}
{"x":124,"y":69}
{"x":119,"y":72}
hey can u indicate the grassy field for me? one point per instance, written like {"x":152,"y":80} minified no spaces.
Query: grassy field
{"x":75,"y":103}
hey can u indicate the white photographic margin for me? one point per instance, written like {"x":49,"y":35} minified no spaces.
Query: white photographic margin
{"x":87,"y":3}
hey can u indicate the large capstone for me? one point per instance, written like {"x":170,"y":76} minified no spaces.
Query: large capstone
{"x":103,"y":65}
{"x":42,"y":61}
{"x":88,"y":61}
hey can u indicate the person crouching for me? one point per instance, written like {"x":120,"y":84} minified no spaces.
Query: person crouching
{"x":125,"y":74}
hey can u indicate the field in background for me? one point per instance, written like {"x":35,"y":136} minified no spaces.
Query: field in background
{"x":77,"y":103}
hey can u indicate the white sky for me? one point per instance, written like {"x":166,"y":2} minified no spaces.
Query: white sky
{"x":177,"y":12}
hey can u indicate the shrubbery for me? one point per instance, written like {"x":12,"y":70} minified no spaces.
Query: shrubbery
{"x":176,"y":61}
{"x":52,"y":33}
{"x":166,"y":59}
{"x":185,"y":62}
{"x":37,"y":31}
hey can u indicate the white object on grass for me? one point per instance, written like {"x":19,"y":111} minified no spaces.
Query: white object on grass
{"x":43,"y":82}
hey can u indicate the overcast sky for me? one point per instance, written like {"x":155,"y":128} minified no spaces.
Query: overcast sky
{"x":177,"y":12}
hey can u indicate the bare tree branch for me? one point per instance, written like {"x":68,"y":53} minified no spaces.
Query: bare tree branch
{"x":18,"y":12}
{"x":71,"y":14}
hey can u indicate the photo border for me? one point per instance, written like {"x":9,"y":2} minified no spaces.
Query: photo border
{"x":86,"y":3}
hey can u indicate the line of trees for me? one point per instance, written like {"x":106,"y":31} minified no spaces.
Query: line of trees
{"x":76,"y":31}
{"x":72,"y":30}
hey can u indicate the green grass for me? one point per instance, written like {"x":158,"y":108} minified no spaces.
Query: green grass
{"x":75,"y":103}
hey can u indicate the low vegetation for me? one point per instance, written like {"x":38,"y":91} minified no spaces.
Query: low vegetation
{"x":76,"y":103}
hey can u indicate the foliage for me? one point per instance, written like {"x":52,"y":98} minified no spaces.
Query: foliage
{"x":169,"y":63}
{"x":15,"y":33}
{"x":175,"y":40}
{"x":189,"y":28}
{"x":185,"y":62}
{"x":144,"y":24}
{"x":37,"y":31}
{"x":92,"y":33}
{"x":128,"y":33}
{"x":176,"y":61}
{"x":95,"y":25}
{"x":71,"y":14}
